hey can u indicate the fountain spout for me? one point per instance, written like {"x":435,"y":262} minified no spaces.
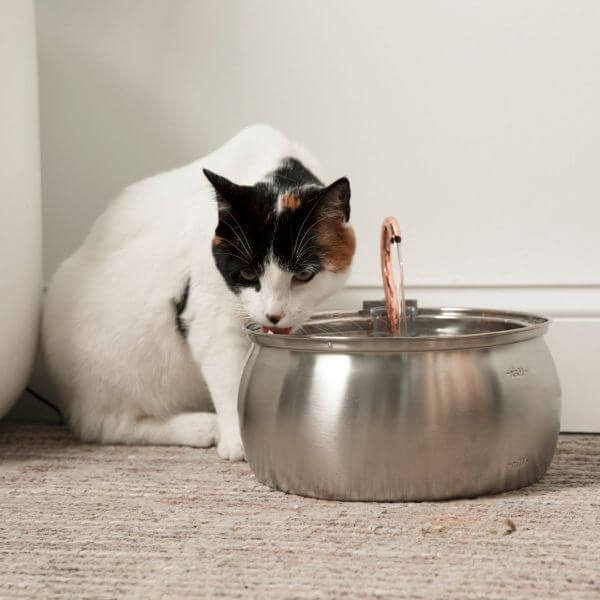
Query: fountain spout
{"x":394,"y":299}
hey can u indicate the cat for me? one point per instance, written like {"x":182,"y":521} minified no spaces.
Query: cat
{"x":142,"y":327}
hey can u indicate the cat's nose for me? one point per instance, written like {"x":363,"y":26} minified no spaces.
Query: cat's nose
{"x":274,"y":318}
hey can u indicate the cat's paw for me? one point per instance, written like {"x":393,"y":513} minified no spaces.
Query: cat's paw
{"x":195,"y":429}
{"x":230,"y":445}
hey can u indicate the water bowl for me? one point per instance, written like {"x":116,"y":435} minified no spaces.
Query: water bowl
{"x":465,"y":403}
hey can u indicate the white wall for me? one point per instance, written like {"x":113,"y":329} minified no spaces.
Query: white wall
{"x":476,"y":123}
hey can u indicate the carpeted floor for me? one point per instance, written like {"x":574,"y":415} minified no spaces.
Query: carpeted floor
{"x":92,"y":521}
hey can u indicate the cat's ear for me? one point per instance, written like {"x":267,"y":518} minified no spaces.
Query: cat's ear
{"x":228,"y":193}
{"x":335,"y":199}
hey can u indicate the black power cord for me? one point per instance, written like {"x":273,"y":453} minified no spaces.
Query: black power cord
{"x":47,"y":403}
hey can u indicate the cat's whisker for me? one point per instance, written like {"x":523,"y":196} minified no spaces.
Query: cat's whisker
{"x":309,"y":229}
{"x":243,"y":246}
{"x":316,"y":202}
{"x":237,"y":248}
{"x":246,"y":243}
{"x":302,"y":251}
{"x":240,"y":310}
{"x":303,"y":243}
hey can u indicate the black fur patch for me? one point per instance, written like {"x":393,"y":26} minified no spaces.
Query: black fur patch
{"x":251,"y":228}
{"x":292,"y":173}
{"x":180,"y":306}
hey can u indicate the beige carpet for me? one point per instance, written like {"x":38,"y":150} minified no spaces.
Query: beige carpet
{"x":89,"y":521}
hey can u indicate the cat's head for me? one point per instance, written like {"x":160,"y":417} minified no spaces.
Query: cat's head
{"x":280,"y":248}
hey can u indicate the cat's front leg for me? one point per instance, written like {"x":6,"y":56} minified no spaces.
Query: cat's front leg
{"x":221,"y":362}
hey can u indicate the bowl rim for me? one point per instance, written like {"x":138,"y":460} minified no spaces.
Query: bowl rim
{"x":526,"y":326}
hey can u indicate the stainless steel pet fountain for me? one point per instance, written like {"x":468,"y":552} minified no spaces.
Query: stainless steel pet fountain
{"x":459,"y":403}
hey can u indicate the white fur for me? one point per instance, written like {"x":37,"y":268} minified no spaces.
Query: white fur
{"x":124,"y":373}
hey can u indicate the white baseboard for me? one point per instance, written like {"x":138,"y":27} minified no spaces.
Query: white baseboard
{"x":575,"y":346}
{"x":573,"y":338}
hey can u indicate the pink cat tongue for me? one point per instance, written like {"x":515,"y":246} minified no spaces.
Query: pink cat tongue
{"x":283,"y":330}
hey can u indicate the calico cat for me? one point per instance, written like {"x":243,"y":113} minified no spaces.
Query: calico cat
{"x":142,"y":325}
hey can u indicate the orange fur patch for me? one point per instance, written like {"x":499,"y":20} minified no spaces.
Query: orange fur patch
{"x":290,"y":202}
{"x":217,"y":240}
{"x":339,"y":243}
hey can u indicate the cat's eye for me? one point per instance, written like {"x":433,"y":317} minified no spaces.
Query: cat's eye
{"x":248,"y":275}
{"x":304,"y":276}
